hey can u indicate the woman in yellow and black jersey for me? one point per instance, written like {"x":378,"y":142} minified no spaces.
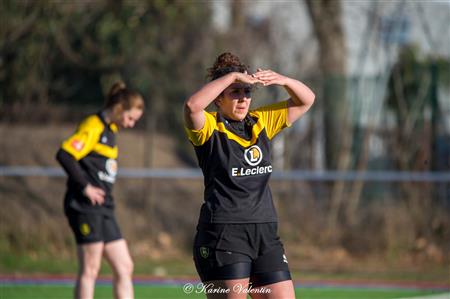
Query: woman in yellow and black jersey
{"x":237,"y":243}
{"x":89,"y":158}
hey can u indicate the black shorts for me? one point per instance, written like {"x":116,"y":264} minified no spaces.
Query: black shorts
{"x":93,"y":227}
{"x":233,"y":251}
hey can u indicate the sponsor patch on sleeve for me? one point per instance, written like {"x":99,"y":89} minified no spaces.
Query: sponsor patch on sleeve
{"x":77,"y":145}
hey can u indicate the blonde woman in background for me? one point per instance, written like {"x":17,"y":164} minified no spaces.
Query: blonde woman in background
{"x":89,"y":158}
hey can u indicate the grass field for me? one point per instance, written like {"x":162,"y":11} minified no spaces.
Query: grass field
{"x":176,"y":292}
{"x":26,"y":281}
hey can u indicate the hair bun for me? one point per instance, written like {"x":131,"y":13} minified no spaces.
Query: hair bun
{"x":226,"y":60}
{"x":224,"y":64}
{"x":116,"y":88}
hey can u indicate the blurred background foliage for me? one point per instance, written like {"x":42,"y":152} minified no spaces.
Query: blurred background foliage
{"x":68,"y":53}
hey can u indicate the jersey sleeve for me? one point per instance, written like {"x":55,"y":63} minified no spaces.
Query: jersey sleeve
{"x":85,"y":138}
{"x":199,"y":137}
{"x":273,"y":117}
{"x":72,"y":168}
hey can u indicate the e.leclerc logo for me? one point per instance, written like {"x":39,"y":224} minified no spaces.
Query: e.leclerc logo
{"x":253,"y":156}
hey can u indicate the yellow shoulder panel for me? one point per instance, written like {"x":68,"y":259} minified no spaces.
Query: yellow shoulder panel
{"x":85,"y":138}
{"x":199,"y":137}
{"x":273,"y":117}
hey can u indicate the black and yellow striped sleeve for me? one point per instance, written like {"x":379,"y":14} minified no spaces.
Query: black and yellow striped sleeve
{"x":85,"y":138}
{"x":274,"y":117}
{"x":199,"y":137}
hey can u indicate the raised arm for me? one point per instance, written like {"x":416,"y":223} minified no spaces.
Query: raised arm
{"x":197,"y":103}
{"x":301,"y":97}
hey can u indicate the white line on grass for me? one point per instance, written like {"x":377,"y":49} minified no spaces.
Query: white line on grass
{"x":439,"y":296}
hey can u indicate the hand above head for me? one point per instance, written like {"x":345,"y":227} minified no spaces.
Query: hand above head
{"x":96,"y":195}
{"x":246,"y":78}
{"x":269,"y":77}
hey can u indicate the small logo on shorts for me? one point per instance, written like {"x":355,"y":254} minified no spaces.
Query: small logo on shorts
{"x":204,"y":252}
{"x":285,"y":259}
{"x":85,"y":229}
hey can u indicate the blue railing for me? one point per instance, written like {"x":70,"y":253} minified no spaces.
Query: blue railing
{"x":299,"y":175}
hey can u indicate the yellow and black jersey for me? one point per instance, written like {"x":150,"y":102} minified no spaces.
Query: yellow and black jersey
{"x":236,"y":164}
{"x":93,"y":146}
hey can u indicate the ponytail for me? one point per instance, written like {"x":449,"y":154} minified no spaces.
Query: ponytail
{"x":119,"y":94}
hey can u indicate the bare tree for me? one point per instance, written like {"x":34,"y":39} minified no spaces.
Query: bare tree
{"x":326,"y":18}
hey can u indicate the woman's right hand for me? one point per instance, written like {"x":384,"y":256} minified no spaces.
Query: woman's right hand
{"x":96,"y":195}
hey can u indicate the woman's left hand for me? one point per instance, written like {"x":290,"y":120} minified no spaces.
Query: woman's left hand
{"x":269,"y":77}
